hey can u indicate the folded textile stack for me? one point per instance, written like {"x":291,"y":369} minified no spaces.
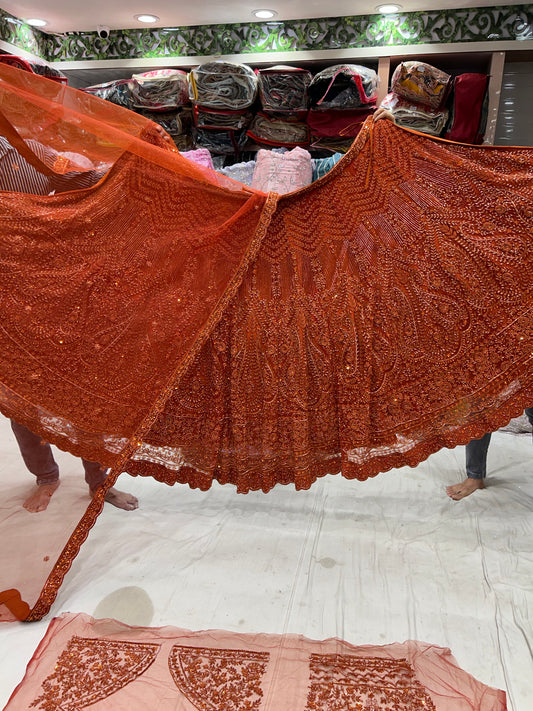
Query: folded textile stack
{"x":35,"y":66}
{"x":205,"y":117}
{"x":282,"y":172}
{"x":176,"y":123}
{"x":469,"y":108}
{"x":117,"y":92}
{"x":283,"y":92}
{"x":200,"y":156}
{"x":243,"y":172}
{"x":279,"y":130}
{"x":322,"y":166}
{"x":223,"y":85}
{"x":283,"y":88}
{"x":341,"y":98}
{"x":418,"y":97}
{"x":160,"y":90}
{"x":421,"y":83}
{"x":416,"y":116}
{"x":222,"y":93}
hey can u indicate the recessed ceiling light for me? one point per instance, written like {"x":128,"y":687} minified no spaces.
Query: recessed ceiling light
{"x":388,"y":9}
{"x":147,"y":18}
{"x":264,"y":14}
{"x":35,"y":22}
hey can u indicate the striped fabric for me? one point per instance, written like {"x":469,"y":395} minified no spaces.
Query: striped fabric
{"x":16,"y":174}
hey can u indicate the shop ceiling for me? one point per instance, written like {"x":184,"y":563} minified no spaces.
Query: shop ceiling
{"x":65,"y":16}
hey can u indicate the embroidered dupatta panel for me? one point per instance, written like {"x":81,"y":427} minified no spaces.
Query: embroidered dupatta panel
{"x":173,"y":323}
{"x":104,"y":664}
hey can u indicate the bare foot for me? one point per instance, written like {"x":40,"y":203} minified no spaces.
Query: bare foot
{"x":40,"y":498}
{"x":121,"y":499}
{"x":465,"y":488}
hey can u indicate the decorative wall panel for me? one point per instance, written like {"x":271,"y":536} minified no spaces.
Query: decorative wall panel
{"x":492,"y":24}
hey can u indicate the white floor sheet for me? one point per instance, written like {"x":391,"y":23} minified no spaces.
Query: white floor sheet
{"x":385,"y":560}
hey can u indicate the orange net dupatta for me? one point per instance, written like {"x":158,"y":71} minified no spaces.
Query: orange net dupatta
{"x":169,"y":322}
{"x":104,"y":664}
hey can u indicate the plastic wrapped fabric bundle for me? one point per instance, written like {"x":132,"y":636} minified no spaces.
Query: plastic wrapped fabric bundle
{"x":419,"y":117}
{"x":34,"y":65}
{"x":117,"y":92}
{"x":223,"y":141}
{"x":173,"y":323}
{"x":160,"y":90}
{"x":343,"y":86}
{"x":283,"y":88}
{"x":220,"y":118}
{"x":278,"y":132}
{"x":184,"y":141}
{"x":175,"y":123}
{"x":421,"y":83}
{"x":344,"y":123}
{"x":223,"y":85}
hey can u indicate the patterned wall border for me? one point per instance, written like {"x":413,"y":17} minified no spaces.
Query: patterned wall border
{"x":492,"y":24}
{"x":19,"y":34}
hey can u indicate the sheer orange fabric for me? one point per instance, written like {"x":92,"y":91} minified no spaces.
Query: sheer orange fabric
{"x":104,"y":664}
{"x":172,"y":323}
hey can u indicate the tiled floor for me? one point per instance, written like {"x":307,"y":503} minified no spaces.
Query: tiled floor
{"x":371,"y":562}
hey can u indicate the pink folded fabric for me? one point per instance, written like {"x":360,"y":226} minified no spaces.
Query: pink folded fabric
{"x":201,"y":156}
{"x":282,"y":172}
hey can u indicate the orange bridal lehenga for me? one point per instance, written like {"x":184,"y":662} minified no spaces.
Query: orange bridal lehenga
{"x":170,"y":322}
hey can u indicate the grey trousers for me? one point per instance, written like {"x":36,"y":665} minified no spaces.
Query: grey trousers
{"x":38,"y":458}
{"x":476,"y":453}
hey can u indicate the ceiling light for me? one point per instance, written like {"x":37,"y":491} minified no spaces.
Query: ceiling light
{"x":147,"y":18}
{"x":35,"y":22}
{"x":264,"y":14}
{"x":388,"y":9}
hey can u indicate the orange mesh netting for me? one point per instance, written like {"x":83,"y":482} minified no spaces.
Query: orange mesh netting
{"x":172,"y":323}
{"x":102,"y":664}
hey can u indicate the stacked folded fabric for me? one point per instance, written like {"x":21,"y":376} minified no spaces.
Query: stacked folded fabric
{"x":243,"y":172}
{"x":322,"y":166}
{"x":283,"y":88}
{"x":160,"y":90}
{"x":419,"y":117}
{"x":35,"y":66}
{"x":222,"y":93}
{"x":282,"y":172}
{"x":418,"y":97}
{"x":469,"y":108}
{"x":279,"y":130}
{"x":117,"y":92}
{"x":176,"y":123}
{"x":341,"y":98}
{"x":283,"y":94}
